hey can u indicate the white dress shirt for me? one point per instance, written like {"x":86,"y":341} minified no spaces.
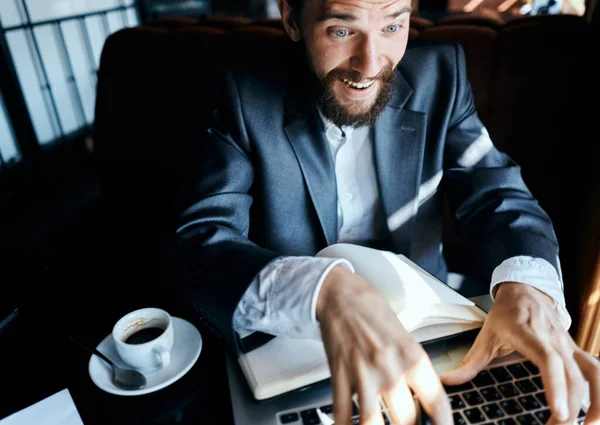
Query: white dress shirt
{"x":281,"y":300}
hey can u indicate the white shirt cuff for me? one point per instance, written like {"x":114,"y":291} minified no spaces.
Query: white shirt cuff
{"x":282,"y":298}
{"x":538,"y":273}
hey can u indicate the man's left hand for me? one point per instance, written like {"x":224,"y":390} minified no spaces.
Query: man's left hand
{"x":524,"y":319}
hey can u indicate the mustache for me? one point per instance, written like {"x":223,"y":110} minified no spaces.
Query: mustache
{"x":385,"y":74}
{"x":340,"y":115}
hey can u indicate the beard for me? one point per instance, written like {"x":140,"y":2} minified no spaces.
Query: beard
{"x":341,"y":115}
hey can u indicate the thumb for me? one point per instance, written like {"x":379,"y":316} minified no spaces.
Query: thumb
{"x":477,"y":358}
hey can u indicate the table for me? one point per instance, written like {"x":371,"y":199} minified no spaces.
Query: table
{"x":38,"y":359}
{"x":34,"y":368}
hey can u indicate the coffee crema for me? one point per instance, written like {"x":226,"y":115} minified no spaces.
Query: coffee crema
{"x":144,"y":335}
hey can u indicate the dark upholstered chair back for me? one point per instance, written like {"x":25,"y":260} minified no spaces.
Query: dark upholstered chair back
{"x":532,"y":81}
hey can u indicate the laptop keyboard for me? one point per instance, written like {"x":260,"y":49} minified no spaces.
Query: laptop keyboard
{"x":510,"y":394}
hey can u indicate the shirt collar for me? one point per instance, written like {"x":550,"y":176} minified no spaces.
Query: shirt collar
{"x":332,"y":130}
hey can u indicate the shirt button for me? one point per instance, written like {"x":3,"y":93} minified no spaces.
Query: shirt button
{"x":349,"y":196}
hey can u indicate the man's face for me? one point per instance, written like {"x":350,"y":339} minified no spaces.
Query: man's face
{"x":354,"y":47}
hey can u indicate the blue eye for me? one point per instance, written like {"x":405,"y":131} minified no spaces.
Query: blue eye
{"x":340,"y":33}
{"x":392,"y":29}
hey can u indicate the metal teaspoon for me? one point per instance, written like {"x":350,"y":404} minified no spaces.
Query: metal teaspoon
{"x":126,"y":379}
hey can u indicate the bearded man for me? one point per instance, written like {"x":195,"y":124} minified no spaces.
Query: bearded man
{"x":354,"y":137}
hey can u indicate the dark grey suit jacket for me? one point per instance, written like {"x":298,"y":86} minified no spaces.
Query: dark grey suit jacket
{"x":266,"y":185}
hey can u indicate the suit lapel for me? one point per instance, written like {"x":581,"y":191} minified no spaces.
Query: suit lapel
{"x":305,"y":134}
{"x":399,"y":141}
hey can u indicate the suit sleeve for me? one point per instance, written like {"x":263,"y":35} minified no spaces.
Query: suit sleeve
{"x":494,"y":210}
{"x":215,"y":259}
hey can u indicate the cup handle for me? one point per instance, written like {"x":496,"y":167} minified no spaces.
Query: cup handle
{"x":163,"y":356}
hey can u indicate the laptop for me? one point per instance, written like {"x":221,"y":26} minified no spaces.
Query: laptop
{"x":508,"y":392}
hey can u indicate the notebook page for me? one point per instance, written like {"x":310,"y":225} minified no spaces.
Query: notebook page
{"x":400,"y":280}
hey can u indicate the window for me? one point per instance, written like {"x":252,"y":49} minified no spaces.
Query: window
{"x":8,"y":147}
{"x":56,"y":46}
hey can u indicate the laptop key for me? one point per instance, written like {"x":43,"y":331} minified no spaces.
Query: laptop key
{"x":511,"y":407}
{"x":526,"y":386}
{"x":310,"y":417}
{"x":537,"y":380}
{"x":542,"y":398}
{"x":543,"y":415}
{"x":289,"y":417}
{"x":492,"y":411}
{"x":531,"y":367}
{"x":501,"y":374}
{"x":507,"y":421}
{"x":527,"y":419}
{"x":458,"y":419}
{"x":474,"y":415}
{"x":508,"y":390}
{"x":327,"y":409}
{"x":472,"y":398}
{"x":490,"y":394}
{"x":483,"y":379}
{"x":456,"y":402}
{"x":517,"y":370}
{"x":529,"y":402}
{"x":453,"y":389}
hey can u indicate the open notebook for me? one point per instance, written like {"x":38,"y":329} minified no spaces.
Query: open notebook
{"x":425,"y":306}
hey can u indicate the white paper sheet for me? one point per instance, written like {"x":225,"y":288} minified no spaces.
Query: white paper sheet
{"x":58,"y":409}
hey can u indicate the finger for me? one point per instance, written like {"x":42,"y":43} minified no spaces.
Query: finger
{"x":401,"y":404}
{"x":427,"y":387}
{"x":575,"y":386}
{"x":552,"y":370}
{"x":477,"y":358}
{"x":504,"y":351}
{"x":342,"y":395}
{"x":590,"y":367}
{"x":554,"y":378}
{"x":368,"y":391}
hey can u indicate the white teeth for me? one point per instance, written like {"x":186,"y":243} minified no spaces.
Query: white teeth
{"x":358,"y":85}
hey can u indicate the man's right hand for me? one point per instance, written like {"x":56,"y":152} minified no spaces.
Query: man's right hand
{"x":371,"y":354}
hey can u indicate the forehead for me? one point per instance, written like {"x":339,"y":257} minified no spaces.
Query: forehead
{"x":371,"y":7}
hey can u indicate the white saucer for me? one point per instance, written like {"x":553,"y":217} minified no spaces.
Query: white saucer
{"x":186,"y":350}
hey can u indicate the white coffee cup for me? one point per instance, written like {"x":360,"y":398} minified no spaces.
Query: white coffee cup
{"x":144,"y":339}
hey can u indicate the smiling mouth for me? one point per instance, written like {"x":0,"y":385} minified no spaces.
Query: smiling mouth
{"x":358,"y":86}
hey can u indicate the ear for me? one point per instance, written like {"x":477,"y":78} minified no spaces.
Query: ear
{"x":289,"y":21}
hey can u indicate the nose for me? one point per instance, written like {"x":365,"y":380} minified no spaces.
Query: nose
{"x":366,"y":58}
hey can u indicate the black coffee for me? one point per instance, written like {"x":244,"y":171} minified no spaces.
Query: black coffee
{"x":144,"y":335}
